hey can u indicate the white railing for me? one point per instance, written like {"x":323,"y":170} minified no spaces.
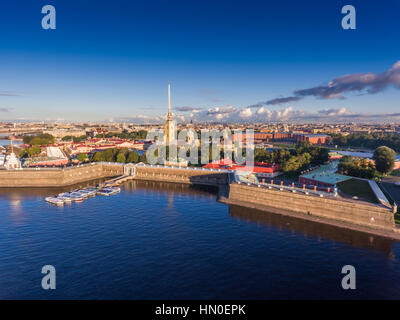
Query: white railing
{"x":182,"y":168}
{"x":320,"y":194}
{"x":123,"y":164}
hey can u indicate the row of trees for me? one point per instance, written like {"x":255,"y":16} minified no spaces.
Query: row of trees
{"x":361,"y":168}
{"x":384,"y":159}
{"x":135,"y":135}
{"x":74,"y":139}
{"x":30,"y":152}
{"x":35,"y":141}
{"x":40,"y":139}
{"x":122,"y":155}
{"x":366,"y":140}
{"x":292,"y":161}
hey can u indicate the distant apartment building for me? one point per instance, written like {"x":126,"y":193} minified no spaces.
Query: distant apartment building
{"x":60,"y":133}
{"x":310,"y":138}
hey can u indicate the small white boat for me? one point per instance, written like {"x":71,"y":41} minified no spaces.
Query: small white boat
{"x":113,"y":190}
{"x":78,"y":192}
{"x":89,"y":193}
{"x":104,"y":192}
{"x":72,"y":195}
{"x":65,"y":199}
{"x":91,"y":189}
{"x":55,"y":201}
{"x":108,"y":191}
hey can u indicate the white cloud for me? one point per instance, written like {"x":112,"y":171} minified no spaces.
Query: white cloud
{"x":334,"y":112}
{"x":245,"y":113}
{"x":230,"y":114}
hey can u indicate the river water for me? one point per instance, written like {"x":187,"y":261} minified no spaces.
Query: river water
{"x":167,"y":241}
{"x":5,"y":142}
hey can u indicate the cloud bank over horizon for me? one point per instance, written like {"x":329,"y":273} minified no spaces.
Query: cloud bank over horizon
{"x":368,"y":83}
{"x":363,"y":83}
{"x":230,"y":114}
{"x":360,"y":83}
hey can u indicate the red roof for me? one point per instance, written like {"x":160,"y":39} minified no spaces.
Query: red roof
{"x":216,"y":164}
{"x":259,"y":167}
{"x":256,"y":169}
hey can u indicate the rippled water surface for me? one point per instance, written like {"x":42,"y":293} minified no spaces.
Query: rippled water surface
{"x":168,"y":241}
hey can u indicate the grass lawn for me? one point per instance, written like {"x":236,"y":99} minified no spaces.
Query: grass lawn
{"x":359,"y":188}
{"x":395,"y":173}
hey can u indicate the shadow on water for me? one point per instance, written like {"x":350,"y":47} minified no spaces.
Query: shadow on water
{"x":12,"y":193}
{"x":310,"y":228}
{"x":169,"y":187}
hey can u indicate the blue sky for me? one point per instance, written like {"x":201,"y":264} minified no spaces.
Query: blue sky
{"x":113,"y":59}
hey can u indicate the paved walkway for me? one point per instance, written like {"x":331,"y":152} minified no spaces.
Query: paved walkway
{"x":379,"y":194}
{"x":393,"y":191}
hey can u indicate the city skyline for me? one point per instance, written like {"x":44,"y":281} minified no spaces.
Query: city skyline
{"x":226,"y":63}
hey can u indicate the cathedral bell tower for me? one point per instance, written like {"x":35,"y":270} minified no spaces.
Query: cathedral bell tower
{"x":169,"y":124}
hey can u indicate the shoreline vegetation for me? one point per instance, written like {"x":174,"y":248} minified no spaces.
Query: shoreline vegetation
{"x":292,"y":158}
{"x":369,"y":141}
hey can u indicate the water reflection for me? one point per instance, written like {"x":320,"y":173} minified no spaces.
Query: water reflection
{"x":310,"y":228}
{"x":15,"y":198}
{"x":295,"y":225}
{"x":170,"y":188}
{"x":26,"y":193}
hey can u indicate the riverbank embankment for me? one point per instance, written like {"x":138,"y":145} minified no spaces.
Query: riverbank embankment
{"x":355,"y":215}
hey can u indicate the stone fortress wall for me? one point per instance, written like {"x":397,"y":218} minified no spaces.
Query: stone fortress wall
{"x":347,"y":211}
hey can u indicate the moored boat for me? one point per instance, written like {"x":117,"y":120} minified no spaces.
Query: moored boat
{"x":78,"y":192}
{"x":104,"y":192}
{"x":108,"y":191}
{"x":88,"y":192}
{"x":72,"y":195}
{"x":55,"y":201}
{"x":66,"y":199}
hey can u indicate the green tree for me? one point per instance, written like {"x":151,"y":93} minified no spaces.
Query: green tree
{"x":384,"y":159}
{"x":141,"y":134}
{"x":143,"y":158}
{"x":98,"y":156}
{"x":125,"y":151}
{"x":32,"y":151}
{"x":296,"y":163}
{"x":79,"y":139}
{"x":121,"y":158}
{"x":262,"y":155}
{"x":40,"y":139}
{"x":319,"y":155}
{"x":110,"y":154}
{"x":82,"y":157}
{"x":133,"y":157}
{"x":67,"y":138}
{"x":357,"y":168}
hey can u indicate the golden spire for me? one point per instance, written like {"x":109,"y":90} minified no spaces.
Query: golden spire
{"x":169,"y":100}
